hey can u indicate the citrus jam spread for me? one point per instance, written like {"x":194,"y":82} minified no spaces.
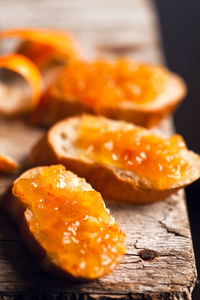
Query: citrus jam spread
{"x":103,"y":83}
{"x":71,"y":222}
{"x":154,"y":159}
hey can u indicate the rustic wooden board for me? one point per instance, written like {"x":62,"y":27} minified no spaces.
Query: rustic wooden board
{"x":103,"y":28}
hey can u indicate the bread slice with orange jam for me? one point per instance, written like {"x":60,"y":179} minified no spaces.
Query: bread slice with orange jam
{"x":119,"y":89}
{"x":124,"y":162}
{"x":65,"y":223}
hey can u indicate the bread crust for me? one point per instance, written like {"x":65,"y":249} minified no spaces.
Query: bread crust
{"x":147,"y":115}
{"x":112,"y":182}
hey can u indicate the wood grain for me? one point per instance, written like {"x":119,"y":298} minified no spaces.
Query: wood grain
{"x":119,"y":27}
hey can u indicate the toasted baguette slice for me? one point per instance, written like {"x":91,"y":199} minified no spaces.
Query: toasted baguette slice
{"x":65,"y":224}
{"x":116,"y":182}
{"x":61,"y":105}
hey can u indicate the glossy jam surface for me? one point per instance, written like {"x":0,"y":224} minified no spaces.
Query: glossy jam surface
{"x":70,"y":221}
{"x":153,"y":158}
{"x":102,"y":83}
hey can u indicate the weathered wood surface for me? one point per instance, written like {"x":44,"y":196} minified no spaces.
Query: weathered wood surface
{"x":103,"y":28}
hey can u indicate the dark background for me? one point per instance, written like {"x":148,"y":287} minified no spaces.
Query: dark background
{"x":180,"y":26}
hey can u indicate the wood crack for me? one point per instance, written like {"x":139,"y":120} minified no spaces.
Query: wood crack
{"x":131,"y":262}
{"x":172,"y":231}
{"x":135,"y":245}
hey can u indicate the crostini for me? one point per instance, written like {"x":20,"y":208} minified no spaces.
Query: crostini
{"x":119,"y":89}
{"x":122,"y":161}
{"x":65,"y":224}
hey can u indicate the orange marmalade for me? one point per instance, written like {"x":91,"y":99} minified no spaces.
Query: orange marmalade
{"x":156,"y":160}
{"x":103,"y":83}
{"x":71,"y":223}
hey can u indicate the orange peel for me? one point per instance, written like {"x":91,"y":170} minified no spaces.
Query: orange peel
{"x":29,"y":71}
{"x":7,"y":164}
{"x":41,"y":44}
